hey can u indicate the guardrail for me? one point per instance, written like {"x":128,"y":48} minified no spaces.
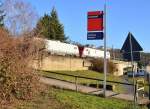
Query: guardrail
{"x":108,"y":81}
{"x":76,"y":76}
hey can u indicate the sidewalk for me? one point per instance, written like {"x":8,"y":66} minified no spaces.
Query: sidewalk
{"x":90,"y":90}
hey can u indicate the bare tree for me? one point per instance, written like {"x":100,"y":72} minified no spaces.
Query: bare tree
{"x":20,"y":16}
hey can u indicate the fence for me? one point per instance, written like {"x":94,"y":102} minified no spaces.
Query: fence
{"x":76,"y":76}
{"x":137,"y":86}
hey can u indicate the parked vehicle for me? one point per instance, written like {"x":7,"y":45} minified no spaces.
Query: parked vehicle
{"x":140,"y":73}
{"x":130,"y":74}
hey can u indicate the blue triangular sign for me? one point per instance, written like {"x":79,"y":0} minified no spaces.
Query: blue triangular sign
{"x":127,"y":45}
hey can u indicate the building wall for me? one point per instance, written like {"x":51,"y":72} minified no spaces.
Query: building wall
{"x":148,"y":68}
{"x":54,"y":63}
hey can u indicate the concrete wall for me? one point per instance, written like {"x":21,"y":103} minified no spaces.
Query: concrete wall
{"x":52,"y":63}
{"x":121,"y":65}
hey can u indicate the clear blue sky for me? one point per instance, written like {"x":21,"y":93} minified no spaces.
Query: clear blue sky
{"x":122,"y":16}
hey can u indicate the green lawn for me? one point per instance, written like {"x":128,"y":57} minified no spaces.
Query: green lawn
{"x":63,"y":99}
{"x":91,"y":74}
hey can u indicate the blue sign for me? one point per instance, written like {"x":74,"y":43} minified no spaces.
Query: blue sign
{"x":129,"y":43}
{"x":95,"y":35}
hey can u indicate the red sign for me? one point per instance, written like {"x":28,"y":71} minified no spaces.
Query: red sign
{"x":95,"y":21}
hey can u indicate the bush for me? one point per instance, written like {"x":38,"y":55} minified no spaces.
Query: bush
{"x":17,"y":79}
{"x":98,"y":65}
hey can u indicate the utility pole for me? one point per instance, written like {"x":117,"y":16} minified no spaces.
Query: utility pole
{"x":113,"y":53}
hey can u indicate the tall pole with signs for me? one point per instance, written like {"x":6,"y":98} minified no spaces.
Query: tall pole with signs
{"x":97,"y":31}
{"x":105,"y":49}
{"x":131,"y":52}
{"x":132,"y":64}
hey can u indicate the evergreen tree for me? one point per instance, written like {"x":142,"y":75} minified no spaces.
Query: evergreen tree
{"x":43,"y":26}
{"x":50,"y":27}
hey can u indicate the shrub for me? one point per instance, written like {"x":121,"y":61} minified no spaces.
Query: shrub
{"x":98,"y":65}
{"x":17,"y":79}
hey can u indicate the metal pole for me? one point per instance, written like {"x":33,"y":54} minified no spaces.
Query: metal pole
{"x":132,"y":57}
{"x":131,"y":50}
{"x":105,"y":49}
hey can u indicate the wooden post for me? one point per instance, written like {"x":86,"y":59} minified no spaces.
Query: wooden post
{"x":135,"y":94}
{"x":149,"y":96}
{"x":76,"y":83}
{"x":97,"y":84}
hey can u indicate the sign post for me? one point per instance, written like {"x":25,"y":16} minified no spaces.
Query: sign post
{"x":132,"y":64}
{"x":131,"y":52}
{"x":105,"y":49}
{"x":97,"y":31}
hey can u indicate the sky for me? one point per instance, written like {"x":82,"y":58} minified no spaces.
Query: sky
{"x":123,"y":16}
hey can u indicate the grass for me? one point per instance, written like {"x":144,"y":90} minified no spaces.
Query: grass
{"x":64,"y":99}
{"x":86,"y":73}
{"x":91,"y":74}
